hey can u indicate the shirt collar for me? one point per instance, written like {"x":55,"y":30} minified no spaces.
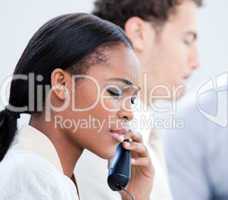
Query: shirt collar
{"x":31,"y":139}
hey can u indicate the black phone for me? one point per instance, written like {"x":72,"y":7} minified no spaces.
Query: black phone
{"x":119,"y":169}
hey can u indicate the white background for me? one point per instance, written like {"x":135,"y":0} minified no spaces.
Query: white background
{"x":20,"y":19}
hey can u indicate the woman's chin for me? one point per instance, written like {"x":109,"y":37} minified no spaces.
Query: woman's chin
{"x":105,"y":150}
{"x":108,"y":154}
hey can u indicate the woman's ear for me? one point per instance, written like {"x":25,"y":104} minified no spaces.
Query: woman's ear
{"x":60,"y":81}
{"x":134,"y":29}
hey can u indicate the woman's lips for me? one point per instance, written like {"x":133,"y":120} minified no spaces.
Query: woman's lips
{"x":122,"y":131}
{"x":118,"y":134}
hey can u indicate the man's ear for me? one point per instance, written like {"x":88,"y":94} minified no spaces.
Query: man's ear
{"x":134,"y":29}
{"x":60,"y":81}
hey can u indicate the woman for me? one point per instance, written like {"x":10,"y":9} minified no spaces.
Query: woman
{"x":75,"y":68}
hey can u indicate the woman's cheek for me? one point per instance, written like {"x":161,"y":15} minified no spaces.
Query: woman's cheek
{"x":110,"y":104}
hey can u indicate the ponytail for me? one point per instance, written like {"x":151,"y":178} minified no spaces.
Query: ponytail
{"x":8,"y":127}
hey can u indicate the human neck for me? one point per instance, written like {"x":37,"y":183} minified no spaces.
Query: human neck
{"x":68,"y":152}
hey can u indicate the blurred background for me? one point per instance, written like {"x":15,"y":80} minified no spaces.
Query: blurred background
{"x":20,"y":19}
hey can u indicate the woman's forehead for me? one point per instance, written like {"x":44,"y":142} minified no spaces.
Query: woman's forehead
{"x":121,"y":63}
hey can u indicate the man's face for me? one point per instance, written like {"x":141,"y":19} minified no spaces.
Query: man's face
{"x":170,"y":55}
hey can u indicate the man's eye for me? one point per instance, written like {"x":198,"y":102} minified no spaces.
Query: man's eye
{"x":187,"y":42}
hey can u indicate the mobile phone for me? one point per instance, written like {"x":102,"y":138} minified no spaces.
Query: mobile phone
{"x":119,"y":168}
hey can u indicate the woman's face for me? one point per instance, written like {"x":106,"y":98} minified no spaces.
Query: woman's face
{"x":102,"y":102}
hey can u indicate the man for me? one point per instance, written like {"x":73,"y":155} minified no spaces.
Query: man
{"x":164,"y":35}
{"x":197,"y":153}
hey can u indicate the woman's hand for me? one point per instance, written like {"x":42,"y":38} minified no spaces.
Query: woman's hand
{"x":142,"y":175}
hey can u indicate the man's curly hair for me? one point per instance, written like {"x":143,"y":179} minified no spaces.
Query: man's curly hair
{"x":119,"y":11}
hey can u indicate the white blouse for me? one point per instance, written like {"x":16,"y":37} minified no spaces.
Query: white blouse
{"x":31,"y":169}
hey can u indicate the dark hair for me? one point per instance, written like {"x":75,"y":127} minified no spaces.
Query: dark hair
{"x":118,"y":12}
{"x":62,"y":42}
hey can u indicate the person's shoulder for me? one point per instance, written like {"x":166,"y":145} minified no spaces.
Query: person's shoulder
{"x":201,"y":114}
{"x":25,"y":163}
{"x":202,"y":100}
{"x":27,"y":172}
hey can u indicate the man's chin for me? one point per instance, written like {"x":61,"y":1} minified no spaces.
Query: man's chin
{"x":179,"y":93}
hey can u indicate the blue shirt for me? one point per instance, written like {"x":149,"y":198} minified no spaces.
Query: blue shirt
{"x":197,"y":155}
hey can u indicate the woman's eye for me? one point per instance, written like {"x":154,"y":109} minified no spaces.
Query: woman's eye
{"x":114,"y":92}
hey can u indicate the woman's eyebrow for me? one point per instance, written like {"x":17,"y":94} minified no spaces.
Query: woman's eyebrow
{"x":135,"y":88}
{"x":126,"y":81}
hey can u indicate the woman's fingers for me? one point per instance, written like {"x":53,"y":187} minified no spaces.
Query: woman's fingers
{"x":138,"y":148}
{"x":140,"y":156}
{"x":136,"y":137}
{"x":140,"y":161}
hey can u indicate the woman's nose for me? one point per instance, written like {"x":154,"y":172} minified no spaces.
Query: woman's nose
{"x":126,"y":115}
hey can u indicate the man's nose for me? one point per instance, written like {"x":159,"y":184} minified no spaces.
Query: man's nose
{"x":194,"y":62}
